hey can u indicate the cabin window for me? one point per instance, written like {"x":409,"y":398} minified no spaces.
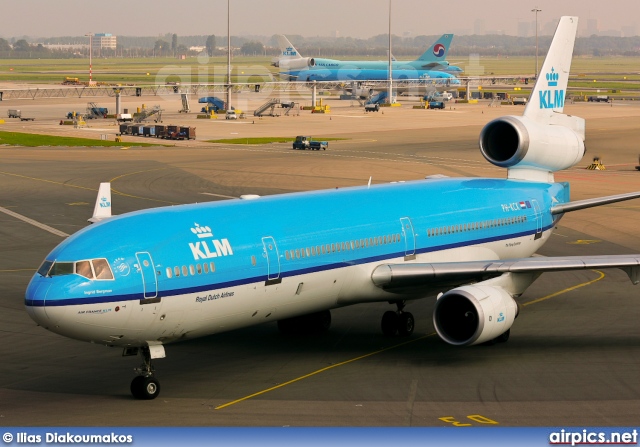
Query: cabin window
{"x":313,"y":251}
{"x":192,"y":270}
{"x":212,"y":267}
{"x":307,"y":251}
{"x":253,"y":260}
{"x":176,"y":270}
{"x":297,"y":253}
{"x":184,"y":271}
{"x":206,"y":267}
{"x":286,"y":256}
{"x":199,"y":269}
{"x":169,"y":272}
{"x":357,"y":244}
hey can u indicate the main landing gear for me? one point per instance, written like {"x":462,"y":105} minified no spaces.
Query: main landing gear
{"x":398,"y":322}
{"x":145,"y":386}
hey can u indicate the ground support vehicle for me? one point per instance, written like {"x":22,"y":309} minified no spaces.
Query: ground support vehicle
{"x":303,"y":143}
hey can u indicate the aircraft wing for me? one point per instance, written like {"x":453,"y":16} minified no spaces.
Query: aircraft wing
{"x":397,"y":277}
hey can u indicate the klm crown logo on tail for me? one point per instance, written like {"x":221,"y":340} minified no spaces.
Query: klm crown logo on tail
{"x":289,"y":51}
{"x":551,"y":98}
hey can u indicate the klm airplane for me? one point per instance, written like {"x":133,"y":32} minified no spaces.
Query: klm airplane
{"x":431,"y":62}
{"x":145,"y":279}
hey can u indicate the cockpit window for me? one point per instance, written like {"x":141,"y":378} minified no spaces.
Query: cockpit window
{"x":45,"y":267}
{"x":83,"y":268}
{"x":103,"y":271}
{"x":61,"y":268}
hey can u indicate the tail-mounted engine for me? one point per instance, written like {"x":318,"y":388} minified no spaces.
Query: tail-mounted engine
{"x":470,"y":315}
{"x":295,"y":64}
{"x":521,"y":143}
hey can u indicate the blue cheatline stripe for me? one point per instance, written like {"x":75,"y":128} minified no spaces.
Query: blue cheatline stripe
{"x":285,"y":274}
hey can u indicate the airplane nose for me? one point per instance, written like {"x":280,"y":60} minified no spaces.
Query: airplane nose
{"x":35,"y":298}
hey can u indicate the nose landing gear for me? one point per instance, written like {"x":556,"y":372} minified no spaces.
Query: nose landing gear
{"x":145,"y":386}
{"x":398,"y":322}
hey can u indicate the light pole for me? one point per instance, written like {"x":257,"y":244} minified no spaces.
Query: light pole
{"x":536,"y":10}
{"x":90,"y":36}
{"x":228,"y":57}
{"x":390,"y":93}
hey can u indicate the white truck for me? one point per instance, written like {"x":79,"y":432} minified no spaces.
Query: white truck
{"x":14,"y":113}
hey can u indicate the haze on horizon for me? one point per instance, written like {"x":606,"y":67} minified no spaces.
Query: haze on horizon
{"x":352,"y":18}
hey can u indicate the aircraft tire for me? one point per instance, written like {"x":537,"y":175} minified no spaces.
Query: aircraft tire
{"x":145,"y":388}
{"x":322,"y":321}
{"x":503,"y":338}
{"x":390,"y":323}
{"x":406,"y":324}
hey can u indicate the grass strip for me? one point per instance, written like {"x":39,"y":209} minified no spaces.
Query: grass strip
{"x":36,"y":140}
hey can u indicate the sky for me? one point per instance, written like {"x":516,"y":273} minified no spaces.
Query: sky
{"x":346,"y":18}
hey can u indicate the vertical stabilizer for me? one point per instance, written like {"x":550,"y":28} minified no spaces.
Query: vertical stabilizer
{"x":287,"y":50}
{"x":549,"y":93}
{"x":102,"y":210}
{"x":438,"y":51}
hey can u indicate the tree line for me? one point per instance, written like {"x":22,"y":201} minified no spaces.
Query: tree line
{"x":376,"y":46}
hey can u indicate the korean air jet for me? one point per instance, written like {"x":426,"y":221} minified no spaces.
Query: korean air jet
{"x":143,"y":280}
{"x":297,"y":67}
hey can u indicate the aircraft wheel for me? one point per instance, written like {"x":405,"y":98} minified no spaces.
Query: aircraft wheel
{"x":406,"y":324}
{"x":504,"y":337}
{"x":145,"y":388}
{"x":322,"y":321}
{"x":390,"y":323}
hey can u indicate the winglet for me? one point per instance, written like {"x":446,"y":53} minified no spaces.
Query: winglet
{"x":102,"y":209}
{"x":438,"y":51}
{"x":548,"y":95}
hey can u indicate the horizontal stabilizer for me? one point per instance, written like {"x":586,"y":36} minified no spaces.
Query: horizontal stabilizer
{"x":590,"y":203}
{"x":102,"y":210}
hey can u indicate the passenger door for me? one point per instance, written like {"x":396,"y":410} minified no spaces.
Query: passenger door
{"x":273,"y":260}
{"x":149,"y":278}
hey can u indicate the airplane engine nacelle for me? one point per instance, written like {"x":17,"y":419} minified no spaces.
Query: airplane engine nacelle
{"x":295,"y":64}
{"x":516,"y":141}
{"x":470,"y":315}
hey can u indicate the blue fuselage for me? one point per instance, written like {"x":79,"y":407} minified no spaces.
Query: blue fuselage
{"x":228,"y":251}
